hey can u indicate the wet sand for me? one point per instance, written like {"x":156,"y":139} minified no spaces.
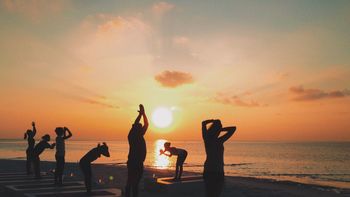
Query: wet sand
{"x":114,"y":176}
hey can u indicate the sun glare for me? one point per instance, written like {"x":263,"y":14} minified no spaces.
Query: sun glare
{"x":162,"y":117}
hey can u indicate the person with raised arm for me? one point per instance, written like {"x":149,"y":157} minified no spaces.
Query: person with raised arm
{"x":87,"y":159}
{"x":38,"y":149}
{"x":63,"y":133}
{"x":213,"y":174}
{"x":29,"y":136}
{"x":181,"y":157}
{"x":137,"y":153}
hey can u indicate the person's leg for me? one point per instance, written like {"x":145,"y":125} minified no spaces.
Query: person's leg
{"x":61,"y":170}
{"x":56,"y":169}
{"x":37,"y":167}
{"x":138,"y":176}
{"x":89,"y":178}
{"x":183,"y":158}
{"x":180,"y":172}
{"x":28,"y":163}
{"x":128,"y":182}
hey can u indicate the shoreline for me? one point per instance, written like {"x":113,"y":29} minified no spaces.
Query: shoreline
{"x":114,"y":176}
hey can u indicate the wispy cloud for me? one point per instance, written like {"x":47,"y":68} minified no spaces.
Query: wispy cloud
{"x":235,"y":100}
{"x":34,"y":9}
{"x":299,"y":93}
{"x":162,"y":7}
{"x":173,"y":79}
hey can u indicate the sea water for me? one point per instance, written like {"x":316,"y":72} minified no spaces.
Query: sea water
{"x":321,"y":163}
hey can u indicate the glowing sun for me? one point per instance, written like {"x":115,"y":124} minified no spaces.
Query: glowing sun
{"x":162,"y":117}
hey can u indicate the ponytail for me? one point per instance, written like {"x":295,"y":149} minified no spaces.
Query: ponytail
{"x":25,"y":135}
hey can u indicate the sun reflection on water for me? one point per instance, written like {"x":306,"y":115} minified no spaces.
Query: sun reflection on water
{"x":160,"y":161}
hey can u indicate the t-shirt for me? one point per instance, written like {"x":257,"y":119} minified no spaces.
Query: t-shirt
{"x":40,"y":147}
{"x":31,"y":143}
{"x":137,"y":147}
{"x":60,"y":146}
{"x":91,"y":156}
{"x":215,"y":156}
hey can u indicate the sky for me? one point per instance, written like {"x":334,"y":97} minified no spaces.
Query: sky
{"x":278,"y":70}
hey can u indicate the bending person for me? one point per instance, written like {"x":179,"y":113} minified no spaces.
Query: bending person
{"x":29,"y":136}
{"x":181,"y":157}
{"x":63,"y":133}
{"x":38,"y":149}
{"x":87,"y":159}
{"x":137,"y":153}
{"x":214,"y":147}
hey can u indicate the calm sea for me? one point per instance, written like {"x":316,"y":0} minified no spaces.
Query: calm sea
{"x":323,"y":163}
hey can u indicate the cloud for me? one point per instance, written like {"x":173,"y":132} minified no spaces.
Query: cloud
{"x":161,"y":8}
{"x":180,"y":40}
{"x":235,"y":101}
{"x":95,"y":102}
{"x":299,"y":93}
{"x":173,"y":79}
{"x":34,"y":9}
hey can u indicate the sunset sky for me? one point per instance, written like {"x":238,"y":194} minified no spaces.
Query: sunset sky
{"x":278,"y":70}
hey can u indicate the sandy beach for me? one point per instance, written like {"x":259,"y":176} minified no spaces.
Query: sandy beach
{"x":114,"y":176}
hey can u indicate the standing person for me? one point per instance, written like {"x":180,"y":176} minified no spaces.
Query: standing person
{"x":62,"y":134}
{"x":214,"y":147}
{"x":38,"y":149}
{"x":181,"y":157}
{"x":29,"y":136}
{"x":137,"y":153}
{"x":85,"y":163}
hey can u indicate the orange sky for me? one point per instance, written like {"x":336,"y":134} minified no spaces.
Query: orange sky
{"x":281,"y":72}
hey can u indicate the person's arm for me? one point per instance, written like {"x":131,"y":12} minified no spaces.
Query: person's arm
{"x":229,"y":132}
{"x":145,"y":119}
{"x":204,"y":127}
{"x":69,"y":133}
{"x":138,"y":118}
{"x":145,"y":123}
{"x":52,"y":146}
{"x":34,"y":129}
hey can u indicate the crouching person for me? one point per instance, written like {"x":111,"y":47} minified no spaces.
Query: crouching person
{"x":85,"y":163}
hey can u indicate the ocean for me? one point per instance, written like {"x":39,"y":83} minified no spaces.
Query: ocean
{"x":320,"y":163}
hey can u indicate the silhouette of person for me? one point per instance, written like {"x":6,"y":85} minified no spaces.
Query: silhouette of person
{"x":181,"y":157}
{"x":87,"y":159}
{"x":137,"y":153}
{"x":29,"y":136}
{"x":62,"y":134}
{"x":38,"y":149}
{"x":213,"y":174}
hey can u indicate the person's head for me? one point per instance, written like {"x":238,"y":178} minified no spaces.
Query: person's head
{"x":59,"y":131}
{"x":46,"y":138}
{"x":28,"y":134}
{"x":103,"y":149}
{"x":167,"y":145}
{"x":215,"y":128}
{"x":137,"y":126}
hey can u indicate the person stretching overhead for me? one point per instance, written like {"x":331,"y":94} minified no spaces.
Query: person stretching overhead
{"x":29,"y":136}
{"x":213,"y":173}
{"x":85,"y":163}
{"x":60,"y":152}
{"x":181,"y":157}
{"x":137,"y":153}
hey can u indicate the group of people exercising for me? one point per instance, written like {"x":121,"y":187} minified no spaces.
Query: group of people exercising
{"x":213,"y":174}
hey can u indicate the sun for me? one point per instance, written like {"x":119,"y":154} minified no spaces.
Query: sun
{"x":162,"y":117}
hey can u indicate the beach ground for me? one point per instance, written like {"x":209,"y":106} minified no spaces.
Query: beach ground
{"x":114,"y":176}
